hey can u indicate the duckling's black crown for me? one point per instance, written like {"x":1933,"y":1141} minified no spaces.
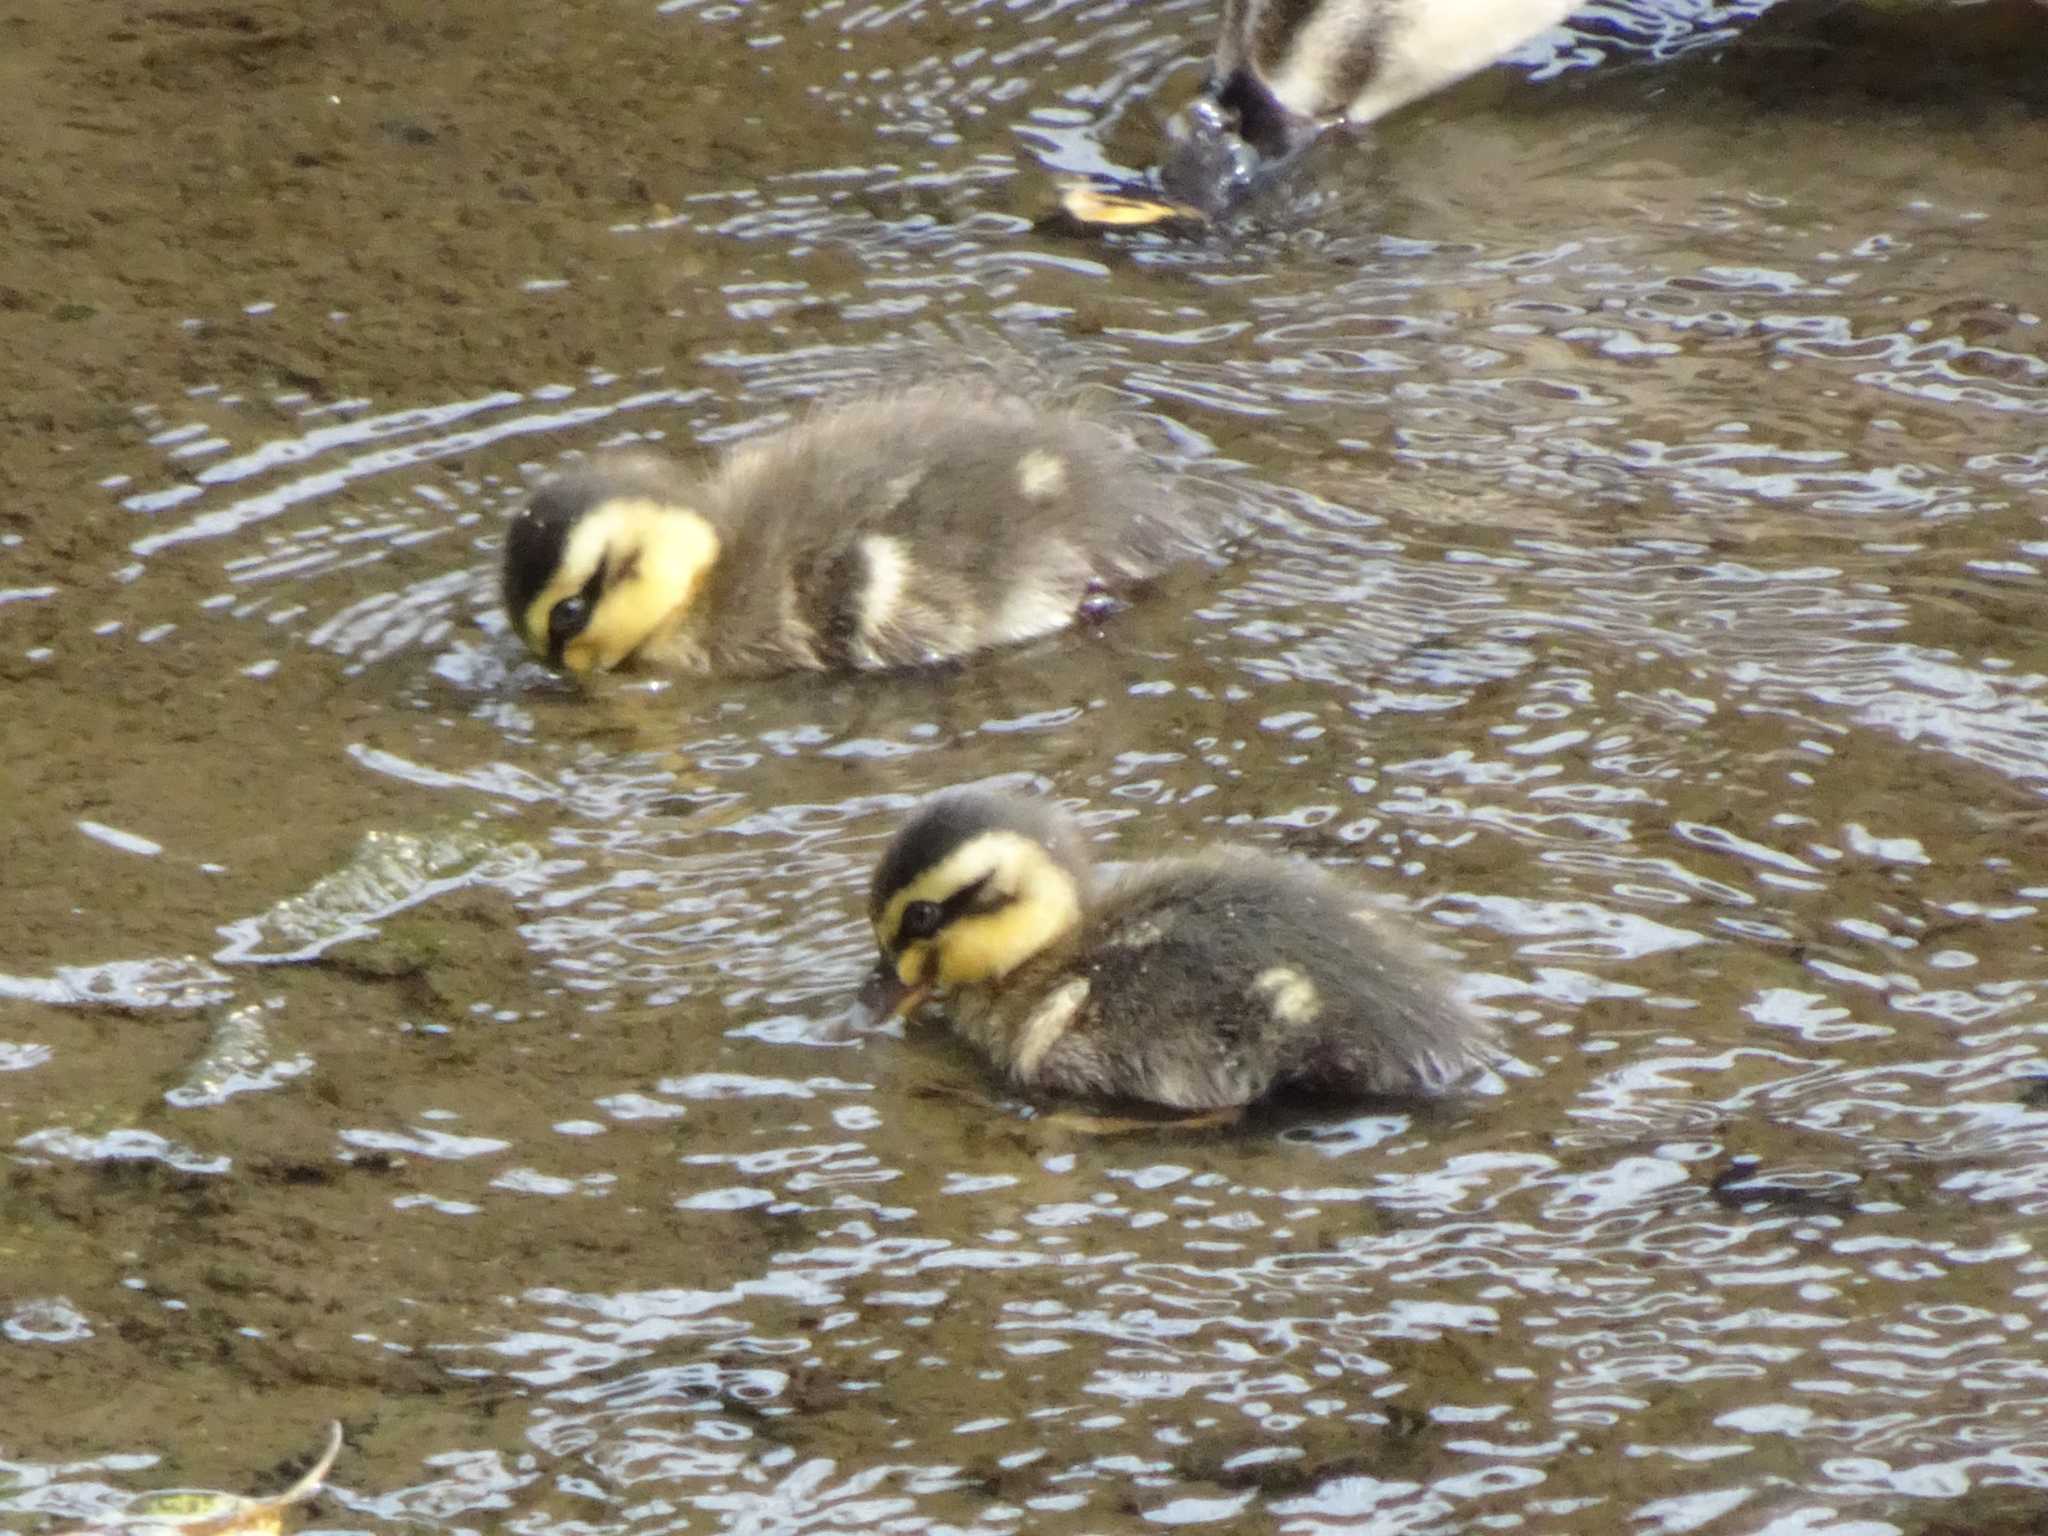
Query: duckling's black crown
{"x":955,"y":818}
{"x":537,"y":536}
{"x":533,"y":548}
{"x":941,"y":825}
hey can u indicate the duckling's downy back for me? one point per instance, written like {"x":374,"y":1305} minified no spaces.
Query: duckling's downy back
{"x":1234,"y":975}
{"x":932,"y":522}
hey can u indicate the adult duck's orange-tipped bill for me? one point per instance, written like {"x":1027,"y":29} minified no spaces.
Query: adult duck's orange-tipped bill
{"x":1088,"y":209}
{"x":885,"y":995}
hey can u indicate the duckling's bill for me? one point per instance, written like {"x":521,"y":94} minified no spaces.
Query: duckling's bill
{"x":886,"y":996}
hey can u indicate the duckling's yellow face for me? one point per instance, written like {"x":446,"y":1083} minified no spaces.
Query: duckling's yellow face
{"x":975,"y":914}
{"x":628,"y":568}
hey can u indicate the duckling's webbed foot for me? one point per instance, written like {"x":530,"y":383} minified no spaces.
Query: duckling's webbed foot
{"x":1081,"y":1122}
{"x":1138,"y":1125}
{"x":1099,"y":605}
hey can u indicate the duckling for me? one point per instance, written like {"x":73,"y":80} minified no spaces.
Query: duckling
{"x":901,"y":530}
{"x":1204,"y":983}
{"x":1285,"y":72}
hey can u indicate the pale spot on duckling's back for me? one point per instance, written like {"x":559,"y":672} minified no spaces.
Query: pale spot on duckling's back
{"x":897,"y":490}
{"x":1030,"y":612}
{"x":1044,"y":604}
{"x":1142,"y":934}
{"x":1042,"y":475}
{"x":885,"y":566}
{"x":1291,"y":996}
{"x":1044,"y":1026}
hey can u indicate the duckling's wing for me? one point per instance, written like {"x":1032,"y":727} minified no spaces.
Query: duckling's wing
{"x":1139,"y":1017}
{"x":1222,"y":979}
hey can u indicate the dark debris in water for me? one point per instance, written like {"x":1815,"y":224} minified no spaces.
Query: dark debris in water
{"x":1742,"y":1185}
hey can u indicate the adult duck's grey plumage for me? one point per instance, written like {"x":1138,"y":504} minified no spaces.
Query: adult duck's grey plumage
{"x":1285,"y":72}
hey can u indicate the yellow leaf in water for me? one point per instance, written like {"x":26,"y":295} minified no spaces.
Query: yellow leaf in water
{"x":194,"y":1512}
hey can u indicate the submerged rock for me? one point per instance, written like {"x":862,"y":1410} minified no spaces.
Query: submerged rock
{"x":390,"y":872}
{"x":238,"y":1057}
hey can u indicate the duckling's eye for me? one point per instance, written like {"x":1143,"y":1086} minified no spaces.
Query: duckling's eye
{"x":921,"y":919}
{"x":566,"y":620}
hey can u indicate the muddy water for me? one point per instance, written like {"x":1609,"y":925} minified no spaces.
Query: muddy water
{"x":1645,"y":482}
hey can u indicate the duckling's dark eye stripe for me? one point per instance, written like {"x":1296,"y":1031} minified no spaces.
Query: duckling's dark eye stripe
{"x":963,"y":902}
{"x":570,"y":616}
{"x":972,"y":898}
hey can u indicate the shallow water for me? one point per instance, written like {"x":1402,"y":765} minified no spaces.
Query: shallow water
{"x":1645,"y":493}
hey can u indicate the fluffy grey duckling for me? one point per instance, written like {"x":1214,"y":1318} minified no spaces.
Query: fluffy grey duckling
{"x":1197,"y":984}
{"x":901,"y":530}
{"x":1285,"y":72}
